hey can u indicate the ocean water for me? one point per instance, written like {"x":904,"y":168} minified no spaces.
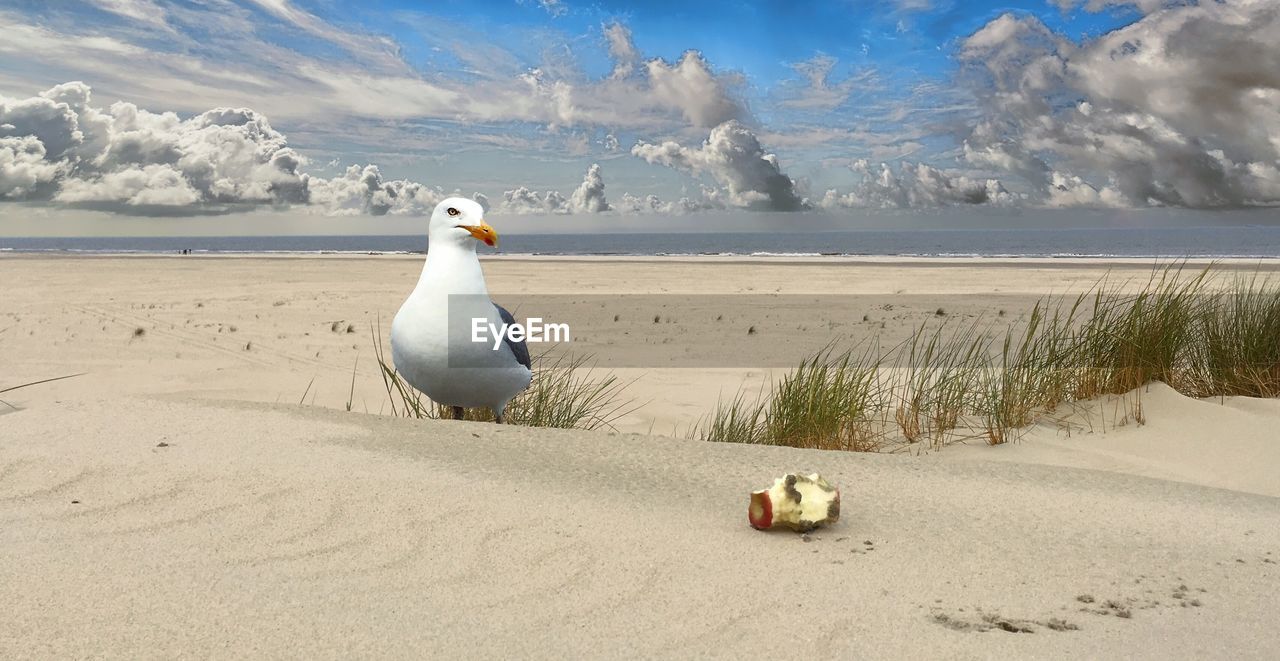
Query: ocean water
{"x":1248,"y":242}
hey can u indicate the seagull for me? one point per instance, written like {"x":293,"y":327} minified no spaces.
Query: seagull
{"x":432,"y":335}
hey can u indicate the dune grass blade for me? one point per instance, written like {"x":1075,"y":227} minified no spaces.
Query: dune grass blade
{"x":36,"y":383}
{"x":351,"y":394}
{"x":303,"y":400}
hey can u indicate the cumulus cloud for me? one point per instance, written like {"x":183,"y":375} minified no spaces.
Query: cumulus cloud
{"x":1180,"y":108}
{"x":637,"y":204}
{"x":362,"y":190}
{"x":146,"y":186}
{"x":58,"y":147}
{"x":523,"y":200}
{"x":917,"y":185}
{"x":1066,"y":190}
{"x":710,"y":200}
{"x":734,"y":158}
{"x":24,"y":171}
{"x":588,"y":197}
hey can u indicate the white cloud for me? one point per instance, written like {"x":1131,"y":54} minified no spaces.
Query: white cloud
{"x":138,"y":186}
{"x":522,"y":200}
{"x":554,"y":7}
{"x":635,"y":204}
{"x":24,"y":171}
{"x":622,"y":49}
{"x":1146,"y":6}
{"x":691,"y":87}
{"x":733,"y":156}
{"x":1067,"y":190}
{"x":819,"y":92}
{"x":1179,"y":108}
{"x":362,"y":190}
{"x":588,"y":197}
{"x":224,"y":57}
{"x":144,"y":11}
{"x":58,"y":147}
{"x":375,"y":50}
{"x":913,"y":186}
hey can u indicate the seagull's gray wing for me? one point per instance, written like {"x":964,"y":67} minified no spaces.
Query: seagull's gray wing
{"x":519,"y":349}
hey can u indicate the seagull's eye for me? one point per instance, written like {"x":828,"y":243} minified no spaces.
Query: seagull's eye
{"x":453,"y":212}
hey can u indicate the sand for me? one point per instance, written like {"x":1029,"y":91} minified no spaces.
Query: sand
{"x":178,"y":500}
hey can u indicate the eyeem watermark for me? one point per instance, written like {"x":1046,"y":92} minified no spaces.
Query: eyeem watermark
{"x":482,"y":330}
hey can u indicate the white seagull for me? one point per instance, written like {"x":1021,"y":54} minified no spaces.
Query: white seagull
{"x":431,"y":336}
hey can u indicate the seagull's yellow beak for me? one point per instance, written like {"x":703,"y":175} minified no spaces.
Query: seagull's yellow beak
{"x":483,"y":232}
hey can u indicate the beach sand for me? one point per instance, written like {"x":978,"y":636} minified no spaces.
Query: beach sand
{"x":183,"y":497}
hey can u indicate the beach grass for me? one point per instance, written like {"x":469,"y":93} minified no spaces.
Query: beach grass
{"x":824,"y":403}
{"x":939,"y":375}
{"x":1239,"y":349}
{"x":1190,"y":330}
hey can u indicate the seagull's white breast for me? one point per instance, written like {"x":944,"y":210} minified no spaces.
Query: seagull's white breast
{"x":431,"y":337}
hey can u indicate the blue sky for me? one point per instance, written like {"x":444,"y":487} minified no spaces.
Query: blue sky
{"x":760,"y":39}
{"x":774,"y":106}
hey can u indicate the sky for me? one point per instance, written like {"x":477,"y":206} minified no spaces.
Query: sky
{"x":230,"y":116}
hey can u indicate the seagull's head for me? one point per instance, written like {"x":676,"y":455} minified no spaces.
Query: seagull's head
{"x":460,"y":221}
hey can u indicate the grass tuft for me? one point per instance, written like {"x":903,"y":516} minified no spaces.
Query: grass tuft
{"x":1191,"y":331}
{"x":825,"y":403}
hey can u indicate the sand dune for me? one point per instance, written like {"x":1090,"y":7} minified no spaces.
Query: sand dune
{"x":281,"y":531}
{"x":166,"y":504}
{"x":1228,"y":444}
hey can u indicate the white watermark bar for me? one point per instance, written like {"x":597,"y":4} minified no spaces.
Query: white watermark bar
{"x":710,"y":331}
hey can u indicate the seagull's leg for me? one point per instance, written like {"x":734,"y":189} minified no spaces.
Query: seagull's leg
{"x":459,"y":413}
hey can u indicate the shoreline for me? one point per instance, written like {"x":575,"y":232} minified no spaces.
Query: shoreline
{"x":1271,"y":263}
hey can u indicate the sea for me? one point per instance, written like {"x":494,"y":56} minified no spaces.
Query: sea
{"x":1204,"y":242}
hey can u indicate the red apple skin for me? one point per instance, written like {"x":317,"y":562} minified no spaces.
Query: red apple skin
{"x":765,"y":521}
